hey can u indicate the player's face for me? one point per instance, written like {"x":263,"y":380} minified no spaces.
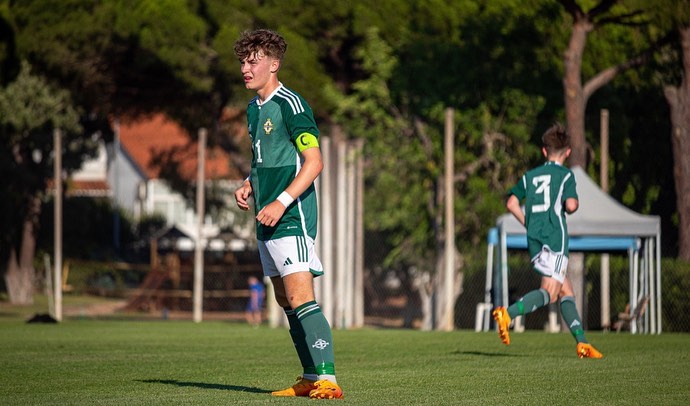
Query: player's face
{"x":257,"y":70}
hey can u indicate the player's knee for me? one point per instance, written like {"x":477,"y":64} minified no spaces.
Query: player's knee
{"x":298,"y":300}
{"x":553,"y":296}
{"x":281,"y":299}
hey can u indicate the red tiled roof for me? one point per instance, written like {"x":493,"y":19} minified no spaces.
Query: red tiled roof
{"x":158,"y":143}
{"x":91,"y":188}
{"x":88,"y":188}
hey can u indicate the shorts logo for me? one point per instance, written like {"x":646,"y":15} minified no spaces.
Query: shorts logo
{"x":287,"y":262}
{"x":268,"y":126}
{"x":320,"y":344}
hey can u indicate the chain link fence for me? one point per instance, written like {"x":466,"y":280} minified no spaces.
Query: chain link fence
{"x":389,"y":295}
{"x":392,"y":300}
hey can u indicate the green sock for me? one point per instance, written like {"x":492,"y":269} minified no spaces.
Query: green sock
{"x":572,"y":318}
{"x":318,"y":336}
{"x":297,"y":335}
{"x":532,"y":301}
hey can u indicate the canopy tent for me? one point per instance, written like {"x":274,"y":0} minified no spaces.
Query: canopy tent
{"x":600,"y":224}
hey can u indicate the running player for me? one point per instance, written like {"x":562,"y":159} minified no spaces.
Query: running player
{"x":286,"y":160}
{"x":550,"y":192}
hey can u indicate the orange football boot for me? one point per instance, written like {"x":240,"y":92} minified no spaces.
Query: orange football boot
{"x":326,"y":390}
{"x":301,"y":388}
{"x":503,"y":322}
{"x":585,"y":350}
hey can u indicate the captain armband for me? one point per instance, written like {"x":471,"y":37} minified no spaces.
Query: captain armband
{"x":306,"y":141}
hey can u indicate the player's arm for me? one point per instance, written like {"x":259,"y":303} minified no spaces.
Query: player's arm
{"x":311,"y":168}
{"x":571,"y":202}
{"x":242,"y":194}
{"x":571,"y":205}
{"x":513,"y":206}
{"x":308,"y":146}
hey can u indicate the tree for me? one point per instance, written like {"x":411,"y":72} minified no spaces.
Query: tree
{"x":676,"y":15}
{"x":124,"y":59}
{"x":29,"y":111}
{"x":403,"y":154}
{"x":576,"y":94}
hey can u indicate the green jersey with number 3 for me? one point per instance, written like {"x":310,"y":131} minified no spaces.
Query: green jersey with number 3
{"x":545,"y":189}
{"x":275,"y":127}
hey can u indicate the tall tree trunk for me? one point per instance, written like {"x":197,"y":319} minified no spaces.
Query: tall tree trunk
{"x":20,"y":274}
{"x":574,"y":95}
{"x":679,"y":102}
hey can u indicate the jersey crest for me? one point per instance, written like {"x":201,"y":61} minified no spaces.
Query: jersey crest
{"x":268,"y":126}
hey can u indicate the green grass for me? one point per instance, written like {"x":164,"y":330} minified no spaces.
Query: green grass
{"x":80,"y":362}
{"x":71,"y":303}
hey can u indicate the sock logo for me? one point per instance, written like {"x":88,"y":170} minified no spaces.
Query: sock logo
{"x":574,"y":323}
{"x":321,"y":344}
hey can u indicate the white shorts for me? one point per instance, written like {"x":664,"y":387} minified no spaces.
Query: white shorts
{"x":549,"y":263}
{"x":287,"y":255}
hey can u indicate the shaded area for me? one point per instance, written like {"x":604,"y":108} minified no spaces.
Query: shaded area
{"x":204,"y":385}
{"x":487,"y":354}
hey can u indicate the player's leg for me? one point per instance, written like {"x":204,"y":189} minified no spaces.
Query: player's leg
{"x":569,"y":312}
{"x":530,"y":302}
{"x":545,"y":262}
{"x":571,"y":318}
{"x":305,"y":383}
{"x":299,"y":265}
{"x":318,"y":335}
{"x":317,"y":332}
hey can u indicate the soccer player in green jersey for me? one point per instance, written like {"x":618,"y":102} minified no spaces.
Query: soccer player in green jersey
{"x":549,"y":192}
{"x":286,"y":160}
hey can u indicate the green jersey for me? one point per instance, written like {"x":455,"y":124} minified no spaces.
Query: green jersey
{"x":274,"y":127}
{"x":545,"y":189}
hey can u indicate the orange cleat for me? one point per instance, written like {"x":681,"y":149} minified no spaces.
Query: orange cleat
{"x":503,"y":322}
{"x":301,"y":388}
{"x":326,"y":390}
{"x":585,"y":350}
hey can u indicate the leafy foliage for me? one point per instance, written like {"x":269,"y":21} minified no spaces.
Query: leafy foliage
{"x":29,"y":111}
{"x":385,"y":71}
{"x":485,"y":157}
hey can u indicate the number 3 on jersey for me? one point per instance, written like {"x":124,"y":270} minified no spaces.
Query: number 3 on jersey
{"x":543,"y":185}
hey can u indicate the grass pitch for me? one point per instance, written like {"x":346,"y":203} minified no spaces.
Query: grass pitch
{"x":86,"y":362}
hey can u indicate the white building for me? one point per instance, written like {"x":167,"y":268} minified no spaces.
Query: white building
{"x":136,"y":169}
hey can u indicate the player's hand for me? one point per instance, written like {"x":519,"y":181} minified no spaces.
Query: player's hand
{"x":242,"y":195}
{"x":271,"y":213}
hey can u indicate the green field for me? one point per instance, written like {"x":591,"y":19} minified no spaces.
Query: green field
{"x":125,"y":362}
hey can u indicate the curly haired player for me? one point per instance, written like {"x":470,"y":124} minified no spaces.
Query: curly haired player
{"x":286,"y":160}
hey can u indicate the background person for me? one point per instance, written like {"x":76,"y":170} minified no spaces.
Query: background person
{"x":549,"y":192}
{"x":255,"y":304}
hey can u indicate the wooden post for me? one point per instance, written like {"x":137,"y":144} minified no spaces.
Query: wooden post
{"x":605,"y":264}
{"x":341,"y":234}
{"x":199,"y":246}
{"x":350,"y":238}
{"x":359,"y":236}
{"x":57,"y":207}
{"x":449,"y":280}
{"x":326,"y":232}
